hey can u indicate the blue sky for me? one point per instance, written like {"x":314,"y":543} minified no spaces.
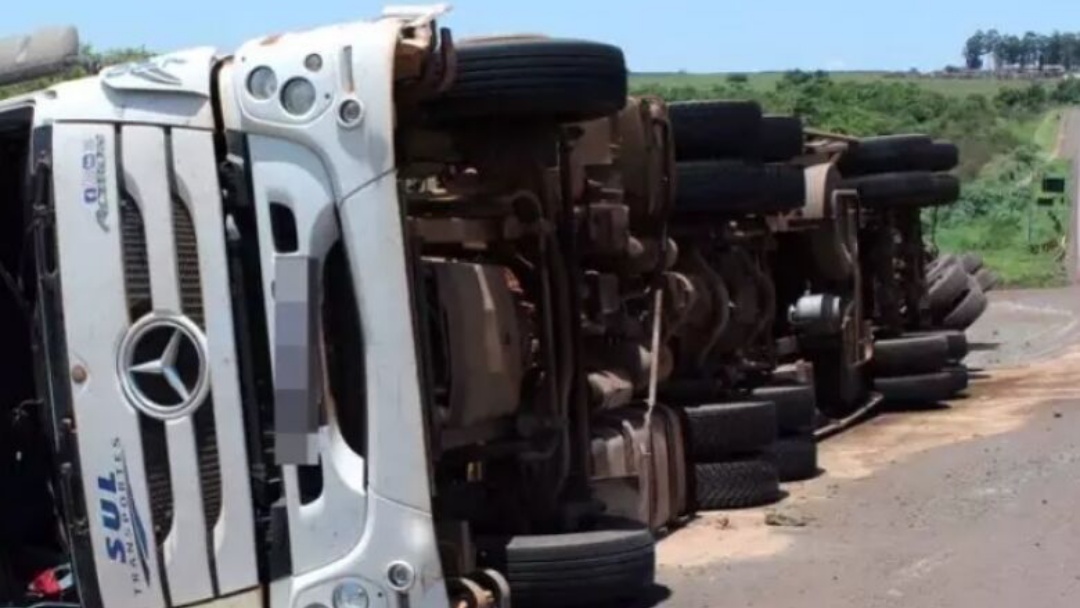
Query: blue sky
{"x":657,"y":35}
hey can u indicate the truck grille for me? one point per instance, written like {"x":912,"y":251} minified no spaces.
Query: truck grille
{"x":140,"y":302}
{"x":145,"y":267}
{"x":137,"y":289}
{"x":187,"y":256}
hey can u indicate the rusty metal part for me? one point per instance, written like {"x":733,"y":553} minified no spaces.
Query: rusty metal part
{"x":680,"y":293}
{"x":632,"y":358}
{"x":568,"y":248}
{"x":798,"y":372}
{"x":643,"y":256}
{"x":766,"y":305}
{"x":482,"y":331}
{"x":740,"y":278}
{"x":497,"y":584}
{"x":607,"y":229}
{"x":708,"y":314}
{"x":467,"y":593}
{"x":834,"y":241}
{"x":610,"y":389}
{"x":646,"y":158}
{"x":912,"y":267}
{"x":455,"y":230}
{"x":425,"y":63}
{"x":597,"y":145}
{"x":865,"y":327}
{"x":661,"y":121}
{"x":601,"y":301}
{"x":447,"y":214}
{"x":821,"y":181}
{"x":811,"y":132}
{"x":630,"y":157}
{"x":857,"y":335}
{"x":270,"y":40}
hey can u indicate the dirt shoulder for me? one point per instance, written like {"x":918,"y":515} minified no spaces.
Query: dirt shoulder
{"x":904,"y":469}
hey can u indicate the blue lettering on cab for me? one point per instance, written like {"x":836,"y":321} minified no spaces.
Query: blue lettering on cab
{"x":110,"y":518}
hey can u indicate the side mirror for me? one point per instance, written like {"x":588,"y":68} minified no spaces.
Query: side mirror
{"x":43,"y":53}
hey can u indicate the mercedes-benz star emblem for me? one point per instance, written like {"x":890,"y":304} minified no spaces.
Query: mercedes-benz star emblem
{"x":163,"y":366}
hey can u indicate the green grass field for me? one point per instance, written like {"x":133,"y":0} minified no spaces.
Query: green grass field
{"x":763,"y":81}
{"x":1018,"y":238}
{"x":1047,"y":132}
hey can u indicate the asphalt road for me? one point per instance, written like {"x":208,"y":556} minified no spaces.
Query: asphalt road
{"x":1023,"y":327}
{"x":968,"y":506}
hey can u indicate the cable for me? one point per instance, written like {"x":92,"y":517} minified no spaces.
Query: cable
{"x":654,"y":369}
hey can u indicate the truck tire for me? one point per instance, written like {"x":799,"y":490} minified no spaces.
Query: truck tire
{"x":737,"y":188}
{"x":796,"y":458}
{"x":717,"y":431}
{"x":907,"y":190}
{"x":961,"y":377}
{"x":796,"y":406}
{"x":923,"y":388}
{"x":972,"y":262}
{"x":935,"y":157}
{"x":519,"y":79}
{"x":968,"y":310}
{"x":939,"y":156}
{"x":957,"y":341}
{"x":781,"y":139}
{"x":899,"y":153}
{"x":939,"y":263}
{"x":910,"y":355}
{"x":736,"y":484}
{"x":947,"y":287}
{"x":987,"y":279}
{"x":580,"y":569}
{"x":714,"y":130}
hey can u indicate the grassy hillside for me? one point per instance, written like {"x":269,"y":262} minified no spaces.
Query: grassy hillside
{"x":998,"y":216}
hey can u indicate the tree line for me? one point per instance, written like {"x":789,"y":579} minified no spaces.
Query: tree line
{"x":1032,"y":50}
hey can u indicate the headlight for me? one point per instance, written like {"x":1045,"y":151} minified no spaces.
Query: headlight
{"x":262,"y":83}
{"x":298,"y":96}
{"x":401,"y":576}
{"x":313,"y":62}
{"x":351,"y":112}
{"x":350,"y":595}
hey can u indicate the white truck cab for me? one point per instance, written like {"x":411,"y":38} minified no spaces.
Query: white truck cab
{"x":164,"y":347}
{"x":333,"y":321}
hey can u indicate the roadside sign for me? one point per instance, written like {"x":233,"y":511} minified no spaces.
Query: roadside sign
{"x":1053,"y":185}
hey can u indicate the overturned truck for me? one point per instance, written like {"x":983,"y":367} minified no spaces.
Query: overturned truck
{"x":367,"y":316}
